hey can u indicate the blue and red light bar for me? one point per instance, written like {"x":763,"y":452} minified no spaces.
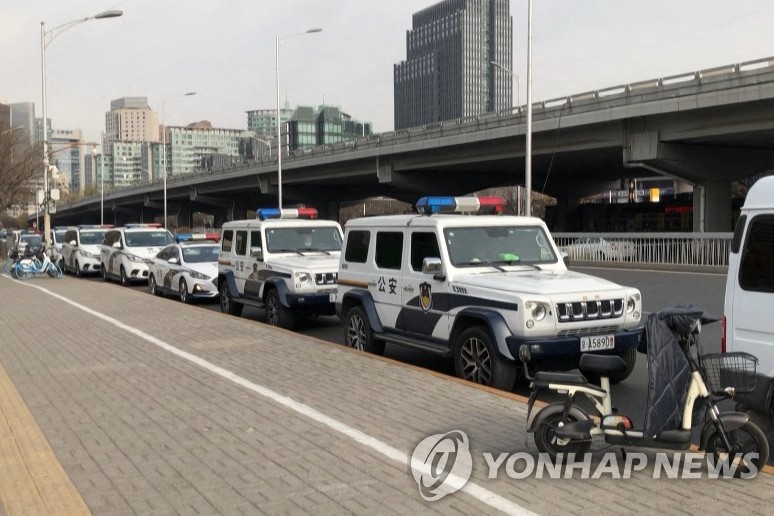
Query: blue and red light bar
{"x":429,"y":205}
{"x":286,"y":213}
{"x":96,"y":226}
{"x":187,"y":237}
{"x":148,"y":225}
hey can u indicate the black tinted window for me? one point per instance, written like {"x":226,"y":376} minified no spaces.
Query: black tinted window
{"x":240,"y":244}
{"x":357,"y":246}
{"x":736,"y":243}
{"x":423,"y":245}
{"x":755,"y":269}
{"x":389,"y":248}
{"x":228,"y":238}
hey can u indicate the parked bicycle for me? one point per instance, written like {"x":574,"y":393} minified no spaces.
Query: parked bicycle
{"x":40,"y":263}
{"x":679,"y":376}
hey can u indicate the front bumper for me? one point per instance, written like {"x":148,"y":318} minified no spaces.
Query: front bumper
{"x":561,"y":353}
{"x":202,"y":289}
{"x":322,"y":303}
{"x":89,"y":265}
{"x":137,"y":271}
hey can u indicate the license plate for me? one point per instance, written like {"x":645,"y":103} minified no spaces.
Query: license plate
{"x":332,"y":298}
{"x":597,"y":343}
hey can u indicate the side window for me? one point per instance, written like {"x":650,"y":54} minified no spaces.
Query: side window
{"x":357,"y":246}
{"x":240,"y":243}
{"x":70,"y":236}
{"x":423,"y":245}
{"x":755,"y":270}
{"x":389,"y":249}
{"x":736,"y":243}
{"x":255,"y":239}
{"x":228,"y":238}
{"x":110,"y":237}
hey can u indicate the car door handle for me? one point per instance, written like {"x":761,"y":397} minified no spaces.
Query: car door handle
{"x":408,"y":288}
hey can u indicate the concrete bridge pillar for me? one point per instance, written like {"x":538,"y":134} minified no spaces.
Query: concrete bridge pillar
{"x":712,"y":206}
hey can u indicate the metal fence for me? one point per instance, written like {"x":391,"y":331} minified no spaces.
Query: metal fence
{"x":661,"y":249}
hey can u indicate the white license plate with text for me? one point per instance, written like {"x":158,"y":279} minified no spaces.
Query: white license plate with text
{"x":597,"y":343}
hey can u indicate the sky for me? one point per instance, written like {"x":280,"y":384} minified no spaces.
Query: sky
{"x":224,"y":50}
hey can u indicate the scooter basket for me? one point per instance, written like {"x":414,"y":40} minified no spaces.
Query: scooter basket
{"x":723,"y":370}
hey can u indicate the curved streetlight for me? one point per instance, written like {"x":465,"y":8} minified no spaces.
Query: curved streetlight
{"x":279,"y":122}
{"x":52,"y":34}
{"x":508,"y":70}
{"x":164,"y":146}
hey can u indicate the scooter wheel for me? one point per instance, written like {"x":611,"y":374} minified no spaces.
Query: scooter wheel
{"x":748,"y":439}
{"x":547,"y":442}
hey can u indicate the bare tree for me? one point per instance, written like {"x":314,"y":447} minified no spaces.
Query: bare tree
{"x":19,"y":161}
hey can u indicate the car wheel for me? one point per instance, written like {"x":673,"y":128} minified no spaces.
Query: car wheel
{"x":77,"y":269}
{"x":476,"y":360}
{"x":124,"y":278}
{"x":153,"y":287}
{"x":185,"y":297}
{"x":277,"y":314}
{"x":358,"y":333}
{"x":103,"y":269}
{"x":227,"y":304}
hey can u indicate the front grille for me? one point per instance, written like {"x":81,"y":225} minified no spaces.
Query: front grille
{"x":589,"y":310}
{"x":326,"y":278}
{"x":579,"y":332}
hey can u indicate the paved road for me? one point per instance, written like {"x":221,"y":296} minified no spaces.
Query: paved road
{"x":116,"y":402}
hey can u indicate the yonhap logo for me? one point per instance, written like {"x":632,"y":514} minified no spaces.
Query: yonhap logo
{"x":441,"y":464}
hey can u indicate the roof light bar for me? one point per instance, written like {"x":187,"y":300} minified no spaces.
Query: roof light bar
{"x":148,"y":225}
{"x":186,"y":237}
{"x":430,"y":205}
{"x":286,"y":213}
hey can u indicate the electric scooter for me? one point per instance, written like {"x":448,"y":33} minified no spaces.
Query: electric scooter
{"x":565,"y":427}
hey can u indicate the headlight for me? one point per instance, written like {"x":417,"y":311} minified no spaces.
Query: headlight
{"x":539,"y":312}
{"x":133,"y":258}
{"x":630,"y":305}
{"x":303,"y":277}
{"x":199,"y":275}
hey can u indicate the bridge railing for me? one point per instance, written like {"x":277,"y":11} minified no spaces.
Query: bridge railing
{"x":667,"y":250}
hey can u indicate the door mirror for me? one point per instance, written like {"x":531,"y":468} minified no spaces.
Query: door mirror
{"x":256,"y":252}
{"x":72,"y":242}
{"x":173,"y":261}
{"x":432,"y":265}
{"x":117,"y":244}
{"x":565,"y":258}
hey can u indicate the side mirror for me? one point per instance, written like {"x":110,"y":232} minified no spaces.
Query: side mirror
{"x":72,"y":242}
{"x":117,"y":244}
{"x":432,"y":265}
{"x":565,"y":258}
{"x":173,"y":261}
{"x":256,"y":252}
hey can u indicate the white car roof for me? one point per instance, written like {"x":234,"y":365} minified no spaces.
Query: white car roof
{"x":442,"y":220}
{"x":274,"y":223}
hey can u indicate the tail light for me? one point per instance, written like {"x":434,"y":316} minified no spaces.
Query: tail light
{"x":723,"y":335}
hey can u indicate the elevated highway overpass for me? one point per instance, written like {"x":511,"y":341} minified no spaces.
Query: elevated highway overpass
{"x":708,"y":128}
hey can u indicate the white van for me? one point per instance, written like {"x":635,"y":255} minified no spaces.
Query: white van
{"x":748,"y":324}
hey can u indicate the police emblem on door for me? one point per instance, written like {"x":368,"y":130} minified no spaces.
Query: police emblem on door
{"x":425,"y":297}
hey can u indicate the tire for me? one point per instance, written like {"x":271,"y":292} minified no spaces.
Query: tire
{"x":103,"y":270}
{"x":546,"y":441}
{"x":78,"y":273}
{"x":476,"y":360}
{"x":124,"y":278}
{"x":227,"y":304}
{"x":358,"y":333}
{"x":153,"y":287}
{"x":746,"y":439}
{"x":277,"y":314}
{"x":185,"y":297}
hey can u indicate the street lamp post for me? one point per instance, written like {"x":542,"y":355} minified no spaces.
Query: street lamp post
{"x":279,"y":121}
{"x":528,"y":156}
{"x":518,"y":87}
{"x":164,"y":146}
{"x":53,"y":33}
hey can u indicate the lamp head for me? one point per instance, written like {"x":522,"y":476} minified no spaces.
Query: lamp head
{"x":313,"y":30}
{"x":113,"y":13}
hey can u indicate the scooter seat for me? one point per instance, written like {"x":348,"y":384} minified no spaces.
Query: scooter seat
{"x":601,"y":364}
{"x":545,"y":378}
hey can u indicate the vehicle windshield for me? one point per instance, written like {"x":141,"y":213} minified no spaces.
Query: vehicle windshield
{"x":302,"y":239}
{"x":31,"y":240}
{"x":92,"y":237}
{"x":498,"y":245}
{"x":200,"y":254}
{"x":59,"y":234}
{"x":156,"y":238}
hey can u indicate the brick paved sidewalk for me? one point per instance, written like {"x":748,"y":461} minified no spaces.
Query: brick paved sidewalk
{"x":143,"y":429}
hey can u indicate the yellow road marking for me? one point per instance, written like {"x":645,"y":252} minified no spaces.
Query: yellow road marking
{"x":32,"y":481}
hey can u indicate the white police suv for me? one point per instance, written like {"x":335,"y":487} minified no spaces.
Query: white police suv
{"x":284,"y":261}
{"x":126,"y":252}
{"x":188,"y":268}
{"x":476,"y":288}
{"x":81,"y":248}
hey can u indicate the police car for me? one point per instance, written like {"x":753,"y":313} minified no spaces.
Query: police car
{"x":188,"y":268}
{"x":127,"y":251}
{"x":476,"y":288}
{"x":284,"y":261}
{"x":57,"y":236}
{"x":81,"y":248}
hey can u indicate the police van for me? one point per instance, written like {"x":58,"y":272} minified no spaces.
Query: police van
{"x":284,"y":261}
{"x":477,"y":287}
{"x":749,"y":298}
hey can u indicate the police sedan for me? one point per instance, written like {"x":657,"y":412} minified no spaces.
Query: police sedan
{"x":187,"y":268}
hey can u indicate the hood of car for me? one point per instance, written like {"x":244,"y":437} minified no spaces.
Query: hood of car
{"x":207,"y":268}
{"x":309,"y":262}
{"x":144,"y":252}
{"x":537,"y":282}
{"x":90,"y":248}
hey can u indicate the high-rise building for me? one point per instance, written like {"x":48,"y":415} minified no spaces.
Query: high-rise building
{"x":264,"y":121}
{"x":5,"y":116}
{"x":130,"y":119}
{"x":323,"y":125}
{"x":199,"y":147}
{"x":66,"y":154}
{"x":448,"y":71}
{"x":23,"y":115}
